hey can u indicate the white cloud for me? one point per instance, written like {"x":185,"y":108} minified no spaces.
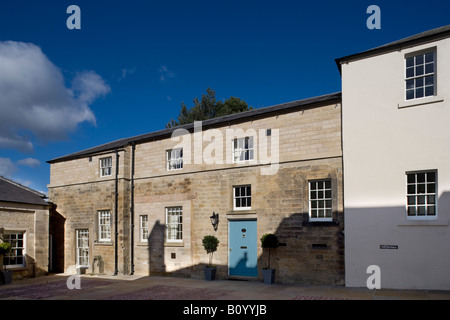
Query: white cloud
{"x":165,"y":74}
{"x":29,"y":162}
{"x":34,"y":100}
{"x":7,"y":167}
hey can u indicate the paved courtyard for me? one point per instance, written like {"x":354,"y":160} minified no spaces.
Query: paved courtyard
{"x":54,"y":287}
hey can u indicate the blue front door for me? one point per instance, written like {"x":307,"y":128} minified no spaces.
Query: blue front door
{"x":243,"y":259}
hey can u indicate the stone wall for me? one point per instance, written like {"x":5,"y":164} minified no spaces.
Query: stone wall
{"x":33,"y":221}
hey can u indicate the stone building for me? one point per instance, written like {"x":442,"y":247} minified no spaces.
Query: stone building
{"x":142,"y":205}
{"x":24,"y":223}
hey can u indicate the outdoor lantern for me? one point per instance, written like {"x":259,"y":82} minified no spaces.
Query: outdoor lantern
{"x":215,"y":220}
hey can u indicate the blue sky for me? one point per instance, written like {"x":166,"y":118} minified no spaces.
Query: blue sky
{"x":133,"y":63}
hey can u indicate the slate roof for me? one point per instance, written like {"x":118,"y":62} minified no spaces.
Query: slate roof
{"x":11,"y":191}
{"x":236,"y":117}
{"x":423,"y":37}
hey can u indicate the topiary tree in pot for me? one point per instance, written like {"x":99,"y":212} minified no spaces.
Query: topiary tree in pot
{"x":210,"y":243}
{"x":269,"y":241}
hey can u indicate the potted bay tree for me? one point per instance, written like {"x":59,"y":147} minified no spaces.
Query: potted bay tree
{"x":269,"y":241}
{"x":210,"y":243}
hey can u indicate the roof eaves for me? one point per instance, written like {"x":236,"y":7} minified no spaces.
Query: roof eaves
{"x":423,"y":37}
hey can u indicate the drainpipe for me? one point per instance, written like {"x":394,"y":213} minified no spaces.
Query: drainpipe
{"x":116,"y":207}
{"x":133,"y":148}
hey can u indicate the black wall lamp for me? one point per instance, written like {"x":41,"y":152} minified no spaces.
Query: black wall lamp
{"x":215,"y":220}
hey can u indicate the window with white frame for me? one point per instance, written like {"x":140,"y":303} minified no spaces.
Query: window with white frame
{"x":104,"y":225}
{"x":421,"y":194}
{"x":174,"y":159}
{"x":144,"y":228}
{"x":105,"y":167}
{"x":242,"y":197}
{"x":243,"y":149}
{"x":16,"y":257}
{"x":174,"y":224}
{"x":320,"y":200}
{"x":82,"y":247}
{"x":420,"y":75}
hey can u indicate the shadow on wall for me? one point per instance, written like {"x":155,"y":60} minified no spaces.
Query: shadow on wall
{"x":56,"y":241}
{"x":411,"y":253}
{"x":309,"y":253}
{"x":31,"y":270}
{"x":156,"y":262}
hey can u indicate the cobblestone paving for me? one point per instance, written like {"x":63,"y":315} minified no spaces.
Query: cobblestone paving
{"x":160,"y":292}
{"x":47,"y":289}
{"x":171,"y":288}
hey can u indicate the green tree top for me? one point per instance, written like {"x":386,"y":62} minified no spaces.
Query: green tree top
{"x":207,"y":108}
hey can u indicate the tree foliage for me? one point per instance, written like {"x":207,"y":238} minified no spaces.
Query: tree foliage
{"x":208,"y":107}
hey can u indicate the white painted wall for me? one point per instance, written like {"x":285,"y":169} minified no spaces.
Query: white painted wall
{"x":382,"y":140}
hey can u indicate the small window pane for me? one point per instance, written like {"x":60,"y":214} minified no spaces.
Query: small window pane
{"x":429,"y":91}
{"x":409,"y":94}
{"x":410,"y":62}
{"x":420,"y":177}
{"x":410,"y":84}
{"x":421,"y":199}
{"x":421,"y":210}
{"x":409,"y":72}
{"x":421,"y":188}
{"x":429,"y":57}
{"x":431,"y":177}
{"x":419,"y":82}
{"x":429,"y":81}
{"x":419,"y":59}
{"x":419,"y":93}
{"x":431,"y":211}
{"x":429,"y":68}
